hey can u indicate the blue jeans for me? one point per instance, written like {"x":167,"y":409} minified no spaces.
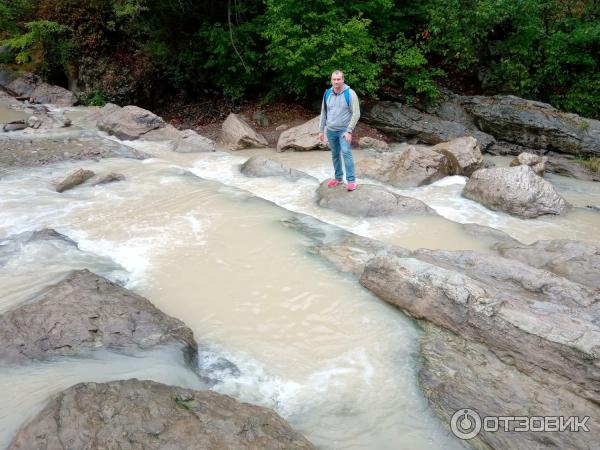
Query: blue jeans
{"x":338,"y":145}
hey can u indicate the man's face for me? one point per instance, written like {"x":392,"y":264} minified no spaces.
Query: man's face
{"x":337,"y":81}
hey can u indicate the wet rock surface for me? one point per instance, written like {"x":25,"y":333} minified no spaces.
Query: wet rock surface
{"x":39,"y":150}
{"x":74,"y":179}
{"x":501,"y":335}
{"x":457,"y":373}
{"x":85,"y":312}
{"x":369,"y":200}
{"x":516,"y":190}
{"x":259,"y":166}
{"x":129,"y":122}
{"x":404,"y":122}
{"x":144,"y":414}
{"x":414,"y":166}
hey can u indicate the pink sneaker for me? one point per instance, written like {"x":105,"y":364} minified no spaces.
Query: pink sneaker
{"x":333,"y":183}
{"x":351,"y":186}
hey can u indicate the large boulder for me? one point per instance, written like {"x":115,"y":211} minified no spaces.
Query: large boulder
{"x":85,"y":312}
{"x":56,"y":95}
{"x":575,"y":260}
{"x":301,"y":138}
{"x":536,"y":162}
{"x":534,"y":124}
{"x":134,"y":414}
{"x":405,"y":122}
{"x":24,"y":85}
{"x":463,"y":153}
{"x":74,"y":179}
{"x":189,"y":141}
{"x":129,"y":122}
{"x":368,"y":200}
{"x":259,"y":166}
{"x":516,"y":190}
{"x":236,"y":134}
{"x":33,"y":88}
{"x":411,"y":167}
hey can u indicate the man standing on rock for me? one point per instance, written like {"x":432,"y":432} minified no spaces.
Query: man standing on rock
{"x":339,"y":115}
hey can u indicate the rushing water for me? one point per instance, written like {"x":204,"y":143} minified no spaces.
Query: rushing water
{"x":195,"y":236}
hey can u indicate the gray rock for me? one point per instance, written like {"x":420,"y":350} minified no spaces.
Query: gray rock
{"x":34,"y":122}
{"x":259,"y":166}
{"x":108,"y":178}
{"x":129,"y":122}
{"x":56,"y":95}
{"x":24,"y":85}
{"x":369,"y":142}
{"x":493,"y":236}
{"x":14,"y":126}
{"x":236,"y":134}
{"x":458,"y":374}
{"x":74,"y":179}
{"x":85,"y":312}
{"x":13,"y":245}
{"x":533,"y":318}
{"x":411,"y":167}
{"x":575,"y":260}
{"x":516,"y":190}
{"x":189,"y":141}
{"x":369,"y":200}
{"x":534,"y":124}
{"x":134,"y":414}
{"x":404,"y":122}
{"x":36,"y":149}
{"x":301,"y":138}
{"x":463,"y":153}
{"x":536,"y":162}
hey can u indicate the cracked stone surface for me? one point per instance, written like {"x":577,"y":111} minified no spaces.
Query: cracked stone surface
{"x":134,"y":414}
{"x":83,"y":312}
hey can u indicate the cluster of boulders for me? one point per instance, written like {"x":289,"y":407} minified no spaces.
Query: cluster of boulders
{"x":85,"y":312}
{"x":515,"y":332}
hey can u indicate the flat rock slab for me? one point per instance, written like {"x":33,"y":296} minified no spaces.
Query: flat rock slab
{"x":457,"y":374}
{"x":535,"y":318}
{"x":134,"y":414}
{"x":368,"y":200}
{"x":405,"y":122}
{"x":259,"y":166}
{"x":85,"y":312}
{"x":576,"y":260}
{"x":39,"y":150}
{"x":129,"y":122}
{"x":515,"y":190}
{"x":408,"y":168}
{"x":534,"y":124}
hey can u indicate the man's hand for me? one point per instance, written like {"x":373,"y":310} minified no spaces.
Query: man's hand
{"x":348,"y":137}
{"x":321,"y":137}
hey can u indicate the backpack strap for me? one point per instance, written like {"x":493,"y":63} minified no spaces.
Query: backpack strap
{"x":328,"y":93}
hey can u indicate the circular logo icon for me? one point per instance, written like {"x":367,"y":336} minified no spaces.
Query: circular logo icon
{"x":465,"y":424}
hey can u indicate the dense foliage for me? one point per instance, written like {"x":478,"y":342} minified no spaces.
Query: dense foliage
{"x":138,"y":50}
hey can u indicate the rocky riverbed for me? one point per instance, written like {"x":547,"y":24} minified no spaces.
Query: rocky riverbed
{"x":441,"y":283}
